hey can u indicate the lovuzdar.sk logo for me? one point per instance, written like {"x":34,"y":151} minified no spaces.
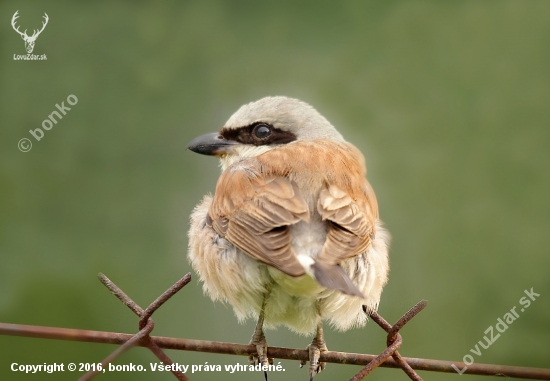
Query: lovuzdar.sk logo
{"x":29,"y":40}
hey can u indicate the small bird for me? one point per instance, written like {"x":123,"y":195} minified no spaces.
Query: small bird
{"x":292,"y":234}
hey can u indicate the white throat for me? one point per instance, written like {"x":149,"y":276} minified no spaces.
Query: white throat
{"x":242,"y":152}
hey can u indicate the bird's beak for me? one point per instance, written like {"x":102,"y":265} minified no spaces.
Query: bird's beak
{"x":211,"y":144}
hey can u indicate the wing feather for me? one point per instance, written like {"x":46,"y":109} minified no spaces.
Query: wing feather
{"x":254,"y":214}
{"x":350,"y":228}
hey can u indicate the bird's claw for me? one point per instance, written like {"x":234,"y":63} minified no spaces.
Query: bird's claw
{"x":315,"y":350}
{"x":260,"y":357}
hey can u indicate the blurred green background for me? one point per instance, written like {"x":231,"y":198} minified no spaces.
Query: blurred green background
{"x":449,"y":102}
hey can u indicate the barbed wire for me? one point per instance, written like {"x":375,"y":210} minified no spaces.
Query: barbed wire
{"x":389,"y":358}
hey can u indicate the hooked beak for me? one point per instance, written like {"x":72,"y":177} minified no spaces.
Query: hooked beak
{"x":211,"y":144}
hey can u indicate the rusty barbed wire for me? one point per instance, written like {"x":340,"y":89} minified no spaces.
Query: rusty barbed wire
{"x":389,"y":358}
{"x":145,"y":324}
{"x":393,"y":342}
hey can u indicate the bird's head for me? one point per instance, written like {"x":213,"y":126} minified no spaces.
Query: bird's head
{"x":260,"y":126}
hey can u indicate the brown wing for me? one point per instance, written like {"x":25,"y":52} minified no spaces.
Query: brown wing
{"x":351,"y":223}
{"x":254,"y":214}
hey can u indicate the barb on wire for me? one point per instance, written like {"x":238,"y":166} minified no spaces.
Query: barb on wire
{"x":393,"y":342}
{"x":146,"y":325}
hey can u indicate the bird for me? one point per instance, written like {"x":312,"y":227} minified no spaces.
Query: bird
{"x":292,"y":235}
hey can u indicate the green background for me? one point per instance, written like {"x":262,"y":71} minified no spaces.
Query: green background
{"x":448,"y":100}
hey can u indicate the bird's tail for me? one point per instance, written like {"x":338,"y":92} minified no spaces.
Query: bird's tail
{"x":334,"y":277}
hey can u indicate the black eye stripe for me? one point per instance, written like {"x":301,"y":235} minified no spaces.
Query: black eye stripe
{"x":245,"y":135}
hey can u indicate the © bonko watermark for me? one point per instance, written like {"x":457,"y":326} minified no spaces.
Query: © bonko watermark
{"x":25,"y":144}
{"x":501,"y":326}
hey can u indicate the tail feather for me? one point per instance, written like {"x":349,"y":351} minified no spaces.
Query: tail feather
{"x":334,"y":277}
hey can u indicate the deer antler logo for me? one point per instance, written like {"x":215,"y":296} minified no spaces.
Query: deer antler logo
{"x":29,"y":40}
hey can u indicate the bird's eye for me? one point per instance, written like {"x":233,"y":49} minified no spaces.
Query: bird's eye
{"x":262,"y":131}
